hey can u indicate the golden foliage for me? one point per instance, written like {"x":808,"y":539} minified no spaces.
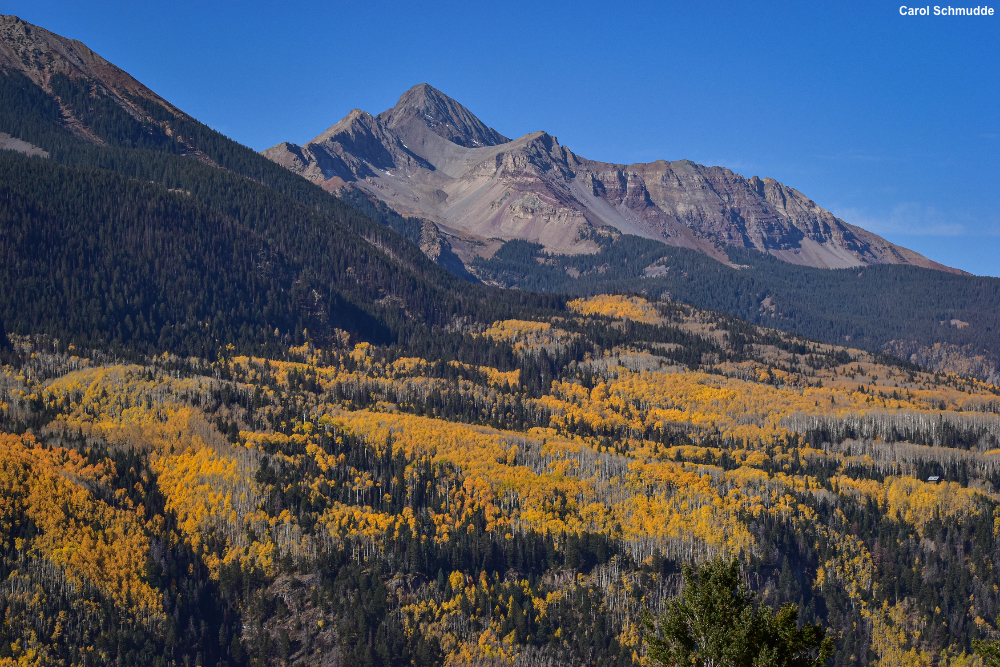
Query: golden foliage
{"x":94,"y":543}
{"x":528,"y":335}
{"x":620,"y":479}
{"x":914,"y":501}
{"x":616,"y":307}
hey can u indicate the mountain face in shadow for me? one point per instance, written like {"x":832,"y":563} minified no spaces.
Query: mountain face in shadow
{"x":128,"y":224}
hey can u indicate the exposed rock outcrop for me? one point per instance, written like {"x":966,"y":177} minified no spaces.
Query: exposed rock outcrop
{"x":429,"y":157}
{"x":429,"y":107}
{"x":949,"y":358}
{"x":9,"y":143}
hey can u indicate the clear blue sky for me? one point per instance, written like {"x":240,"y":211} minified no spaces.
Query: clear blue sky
{"x":891,"y":122}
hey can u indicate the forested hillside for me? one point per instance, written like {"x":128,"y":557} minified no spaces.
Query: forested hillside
{"x":243,"y":423}
{"x":945,"y":321}
{"x":172,"y":229}
{"x":333,"y":267}
{"x":520,"y":500}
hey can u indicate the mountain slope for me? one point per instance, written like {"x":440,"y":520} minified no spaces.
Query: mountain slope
{"x":110,"y":239}
{"x":373,"y":506}
{"x":483,"y":477}
{"x":429,"y":157}
{"x":45,"y":58}
{"x":937,"y":319}
{"x":381,"y":286}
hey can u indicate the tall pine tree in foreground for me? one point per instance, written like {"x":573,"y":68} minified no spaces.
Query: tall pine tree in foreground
{"x":716,"y":622}
{"x":988,"y":649}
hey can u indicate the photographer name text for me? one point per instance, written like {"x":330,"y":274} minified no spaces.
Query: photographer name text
{"x":945,"y":11}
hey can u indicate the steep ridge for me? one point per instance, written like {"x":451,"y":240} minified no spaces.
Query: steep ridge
{"x":472,"y":476}
{"x":425,"y":106}
{"x":301,"y":261}
{"x":128,"y":224}
{"x":41,"y":54}
{"x":46,"y":59}
{"x":429,"y":157}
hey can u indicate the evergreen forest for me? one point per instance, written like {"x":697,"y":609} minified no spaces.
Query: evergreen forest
{"x":245,"y":422}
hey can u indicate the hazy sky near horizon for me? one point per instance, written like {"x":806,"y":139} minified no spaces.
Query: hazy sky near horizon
{"x":891,"y":122}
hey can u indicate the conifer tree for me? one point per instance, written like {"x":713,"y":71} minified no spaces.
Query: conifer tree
{"x":988,"y":650}
{"x":716,"y":622}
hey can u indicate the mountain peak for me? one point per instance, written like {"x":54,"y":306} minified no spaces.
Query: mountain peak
{"x":355,"y":121}
{"x":444,"y":116}
{"x":485,"y":186}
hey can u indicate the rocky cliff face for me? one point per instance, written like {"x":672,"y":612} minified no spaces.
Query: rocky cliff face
{"x":424,"y":106}
{"x":430,"y":157}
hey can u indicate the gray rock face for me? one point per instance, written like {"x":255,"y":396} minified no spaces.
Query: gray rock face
{"x":429,"y":157}
{"x":9,"y":143}
{"x":442,"y":115}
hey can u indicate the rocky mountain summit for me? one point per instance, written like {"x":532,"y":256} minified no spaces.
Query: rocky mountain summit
{"x":429,"y":157}
{"x":455,"y":190}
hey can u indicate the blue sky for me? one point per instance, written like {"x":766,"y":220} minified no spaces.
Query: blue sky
{"x":891,"y":122}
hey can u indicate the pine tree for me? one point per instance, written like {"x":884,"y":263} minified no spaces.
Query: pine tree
{"x":988,"y":650}
{"x":716,"y":622}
